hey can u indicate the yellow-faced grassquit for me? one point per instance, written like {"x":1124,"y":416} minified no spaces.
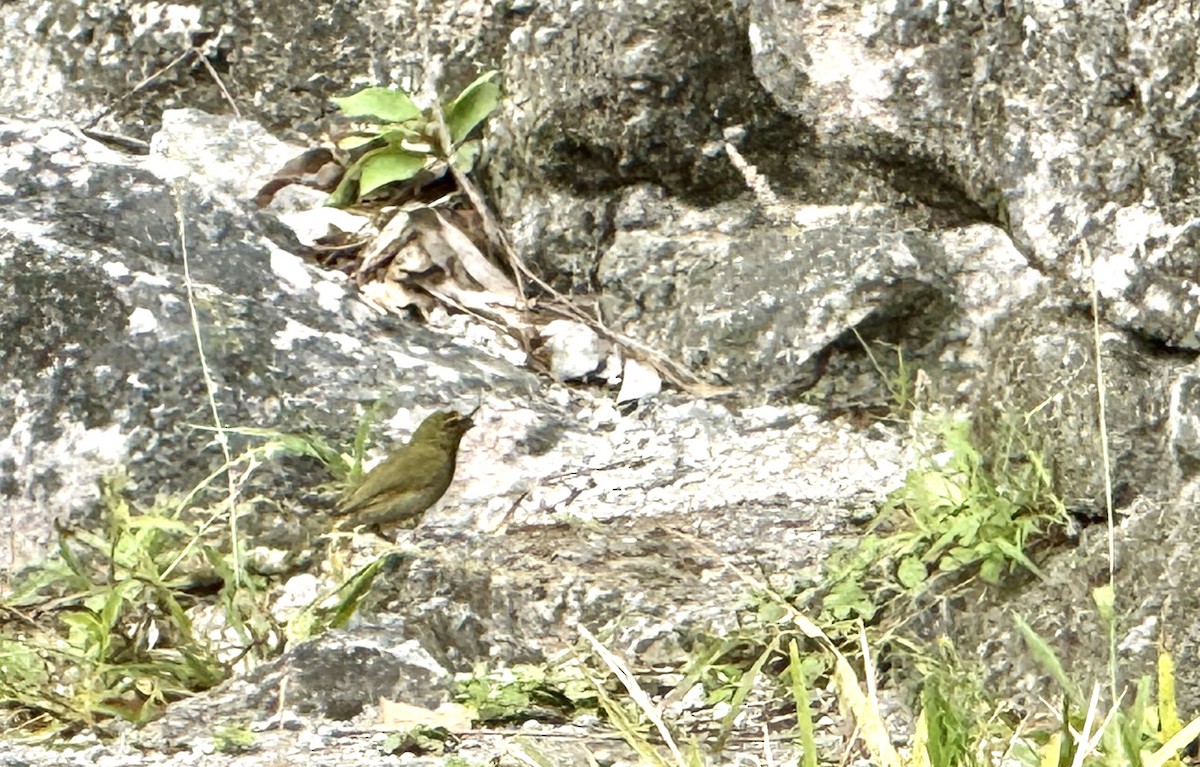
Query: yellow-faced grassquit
{"x":412,"y":478}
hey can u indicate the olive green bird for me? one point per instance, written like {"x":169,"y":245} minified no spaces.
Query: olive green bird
{"x":412,"y":478}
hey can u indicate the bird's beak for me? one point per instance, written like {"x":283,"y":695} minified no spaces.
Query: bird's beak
{"x":468,"y":416}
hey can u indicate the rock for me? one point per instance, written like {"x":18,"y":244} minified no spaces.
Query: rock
{"x":576,"y":351}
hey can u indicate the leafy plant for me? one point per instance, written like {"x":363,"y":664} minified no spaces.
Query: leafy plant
{"x":105,"y":624}
{"x":959,"y":515}
{"x":955,"y":515}
{"x":106,"y":628}
{"x":231,"y":739}
{"x":525,"y":691}
{"x":406,"y":140}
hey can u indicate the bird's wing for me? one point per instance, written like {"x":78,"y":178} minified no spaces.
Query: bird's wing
{"x":390,"y":476}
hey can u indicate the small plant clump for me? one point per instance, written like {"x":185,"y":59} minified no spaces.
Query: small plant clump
{"x":521,"y":692}
{"x":406,"y":140}
{"x":955,"y":516}
{"x":104,"y":630}
{"x":234,"y":740}
{"x":109,"y":628}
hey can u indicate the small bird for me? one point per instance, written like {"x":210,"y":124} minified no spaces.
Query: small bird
{"x":413,"y":477}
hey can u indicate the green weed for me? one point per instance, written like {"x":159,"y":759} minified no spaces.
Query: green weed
{"x":525,"y":691}
{"x":105,"y":629}
{"x":955,"y":516}
{"x":234,"y":740}
{"x":101,"y":631}
{"x":1142,"y":732}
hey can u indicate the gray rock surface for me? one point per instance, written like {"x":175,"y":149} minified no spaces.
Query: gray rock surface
{"x":1067,"y":124}
{"x":100,"y":364}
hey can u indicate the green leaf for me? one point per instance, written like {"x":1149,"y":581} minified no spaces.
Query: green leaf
{"x":745,"y":684}
{"x":466,"y":155}
{"x":346,"y":193}
{"x":382,"y":104}
{"x":115,"y":600}
{"x":911,"y":572}
{"x":804,"y":709}
{"x":416,"y":134}
{"x":769,"y":613}
{"x":848,"y":599}
{"x":87,"y":634}
{"x":356,"y":140}
{"x":1044,"y":655}
{"x":991,"y":570}
{"x":473,"y":105}
{"x":1015,"y":554}
{"x":384,"y":166}
{"x":70,"y":558}
{"x":931,"y":490}
{"x":950,"y":538}
{"x":355,"y":589}
{"x":958,"y":557}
